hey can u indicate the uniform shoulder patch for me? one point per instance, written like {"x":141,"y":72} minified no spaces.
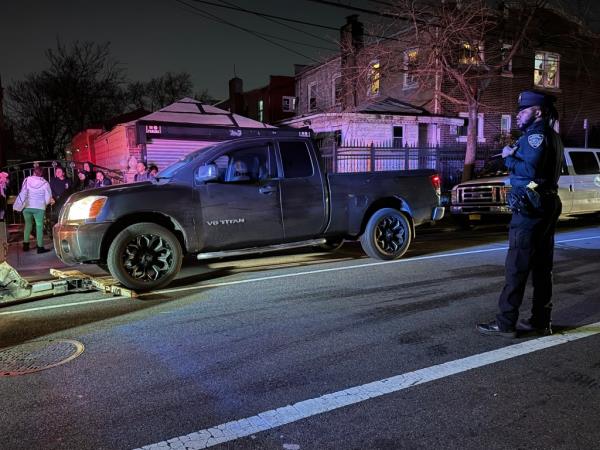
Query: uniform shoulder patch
{"x":535,"y":140}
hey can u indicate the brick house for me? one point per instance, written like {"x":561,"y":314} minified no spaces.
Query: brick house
{"x":330,"y":99}
{"x":268,"y":104}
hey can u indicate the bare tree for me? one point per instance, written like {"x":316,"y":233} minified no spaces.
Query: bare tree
{"x":447,"y":49}
{"x":80,"y":88}
{"x":161,"y":91}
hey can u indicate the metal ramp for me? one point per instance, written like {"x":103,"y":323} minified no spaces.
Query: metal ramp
{"x":14,"y":288}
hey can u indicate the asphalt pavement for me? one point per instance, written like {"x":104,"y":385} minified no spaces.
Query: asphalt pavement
{"x":317,"y":351}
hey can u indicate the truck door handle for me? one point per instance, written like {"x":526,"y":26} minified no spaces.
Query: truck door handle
{"x":267,"y":189}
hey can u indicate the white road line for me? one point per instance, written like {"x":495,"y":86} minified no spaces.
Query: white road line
{"x":62,"y":305}
{"x":267,"y":420}
{"x":338,"y":269}
{"x":287,"y":275}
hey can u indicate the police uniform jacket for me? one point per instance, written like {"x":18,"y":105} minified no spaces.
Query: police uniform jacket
{"x":538,"y":158}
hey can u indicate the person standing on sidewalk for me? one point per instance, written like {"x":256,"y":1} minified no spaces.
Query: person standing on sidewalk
{"x":61,"y":189}
{"x":3,"y":193}
{"x":534,"y":164}
{"x":36,"y":194}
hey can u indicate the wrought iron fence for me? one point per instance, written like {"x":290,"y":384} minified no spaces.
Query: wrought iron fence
{"x":448,"y":161}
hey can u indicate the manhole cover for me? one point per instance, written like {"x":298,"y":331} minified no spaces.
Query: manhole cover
{"x":38,"y":355}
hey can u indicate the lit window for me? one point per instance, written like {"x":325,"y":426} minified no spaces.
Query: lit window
{"x":505,"y":124}
{"x":471,"y":53}
{"x":288,"y":104}
{"x":312,"y":96}
{"x":462,"y":131}
{"x":261,"y":110}
{"x":374,"y":78}
{"x":410,"y":61}
{"x":504,"y":52}
{"x":546,"y":69}
{"x":337,"y":89}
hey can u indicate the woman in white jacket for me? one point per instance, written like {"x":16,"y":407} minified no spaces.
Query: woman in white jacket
{"x":37,"y":195}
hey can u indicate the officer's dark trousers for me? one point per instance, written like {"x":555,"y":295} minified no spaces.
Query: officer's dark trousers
{"x":531,"y":250}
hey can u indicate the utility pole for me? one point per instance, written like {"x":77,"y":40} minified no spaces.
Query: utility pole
{"x":2,"y":156}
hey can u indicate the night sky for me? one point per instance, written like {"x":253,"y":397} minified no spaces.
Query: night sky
{"x":151,"y":37}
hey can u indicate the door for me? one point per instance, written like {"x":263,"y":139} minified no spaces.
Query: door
{"x":586,"y":181}
{"x":303,"y":200}
{"x":241,"y":208}
{"x":565,"y":189}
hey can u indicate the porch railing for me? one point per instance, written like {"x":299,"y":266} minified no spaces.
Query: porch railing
{"x":448,"y":161}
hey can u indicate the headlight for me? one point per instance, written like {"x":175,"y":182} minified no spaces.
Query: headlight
{"x":454,"y":196}
{"x":86,"y":208}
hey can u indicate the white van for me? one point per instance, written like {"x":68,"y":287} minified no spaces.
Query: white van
{"x":485,"y":197}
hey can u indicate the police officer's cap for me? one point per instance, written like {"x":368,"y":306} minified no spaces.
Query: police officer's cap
{"x":535,"y":98}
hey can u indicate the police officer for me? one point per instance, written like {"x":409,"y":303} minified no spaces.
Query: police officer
{"x":537,"y":157}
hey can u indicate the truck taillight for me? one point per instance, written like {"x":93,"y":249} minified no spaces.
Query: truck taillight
{"x":436,"y":182}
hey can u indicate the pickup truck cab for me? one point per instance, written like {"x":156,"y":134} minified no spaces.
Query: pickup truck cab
{"x":248,"y":195}
{"x":485,"y":197}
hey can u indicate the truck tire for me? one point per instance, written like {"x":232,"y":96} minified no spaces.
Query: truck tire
{"x":144,"y":256}
{"x":387,"y":236}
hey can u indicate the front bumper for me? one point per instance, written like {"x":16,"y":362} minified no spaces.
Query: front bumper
{"x":79,"y":243}
{"x":484,"y":210}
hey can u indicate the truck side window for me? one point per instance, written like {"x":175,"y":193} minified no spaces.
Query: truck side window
{"x":295,"y":159}
{"x":248,"y":164}
{"x":584,"y":163}
{"x":222,"y":162}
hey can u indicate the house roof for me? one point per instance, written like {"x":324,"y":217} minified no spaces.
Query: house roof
{"x":192,"y":112}
{"x":389,"y":105}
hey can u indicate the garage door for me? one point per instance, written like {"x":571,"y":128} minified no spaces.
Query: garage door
{"x":164,"y":152}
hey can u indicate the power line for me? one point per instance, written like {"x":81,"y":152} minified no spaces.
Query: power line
{"x":302,"y":22}
{"x":254,"y":33}
{"x":287,"y":19}
{"x":270,"y":19}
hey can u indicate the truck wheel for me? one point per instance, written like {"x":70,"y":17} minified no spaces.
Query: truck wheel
{"x":387,"y":235}
{"x":144,"y":256}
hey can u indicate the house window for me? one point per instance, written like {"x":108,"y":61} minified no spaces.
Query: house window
{"x":288,"y":104}
{"x":410,"y":61}
{"x":462,"y":131}
{"x":546,"y":69}
{"x":505,"y":124}
{"x":374,"y":77}
{"x":398,"y":135}
{"x":471,"y":53}
{"x":261,"y":110}
{"x":312,"y":96}
{"x":504,"y":52}
{"x":336,"y":87}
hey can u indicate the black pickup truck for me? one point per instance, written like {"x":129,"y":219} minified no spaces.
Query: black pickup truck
{"x":249,"y":195}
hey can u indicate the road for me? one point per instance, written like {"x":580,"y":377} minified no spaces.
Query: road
{"x":371,"y":355}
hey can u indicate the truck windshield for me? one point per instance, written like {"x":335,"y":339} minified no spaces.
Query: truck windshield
{"x":171,"y":170}
{"x":493,"y":167}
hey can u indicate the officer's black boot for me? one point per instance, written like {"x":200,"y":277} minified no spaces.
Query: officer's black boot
{"x":25,"y":246}
{"x":42,"y":250}
{"x":529,"y":326}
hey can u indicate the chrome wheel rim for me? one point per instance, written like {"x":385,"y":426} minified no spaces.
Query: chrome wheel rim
{"x":147,"y":257}
{"x":390,"y":235}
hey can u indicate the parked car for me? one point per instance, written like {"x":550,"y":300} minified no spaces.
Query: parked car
{"x":484,"y":198}
{"x":240,"y":197}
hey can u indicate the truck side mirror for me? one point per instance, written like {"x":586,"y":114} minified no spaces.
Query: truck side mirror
{"x":204,"y":174}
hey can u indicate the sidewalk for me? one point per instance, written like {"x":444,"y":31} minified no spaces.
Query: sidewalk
{"x":36,"y":267}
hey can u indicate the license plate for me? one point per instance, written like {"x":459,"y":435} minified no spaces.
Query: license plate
{"x":474,"y":216}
